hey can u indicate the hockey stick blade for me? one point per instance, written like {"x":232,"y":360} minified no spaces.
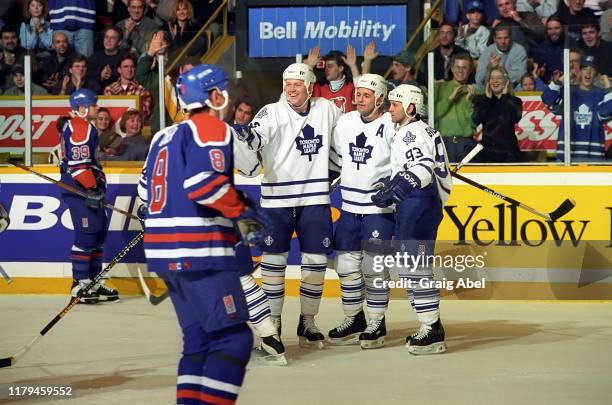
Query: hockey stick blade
{"x":565,"y":207}
{"x":153,"y":299}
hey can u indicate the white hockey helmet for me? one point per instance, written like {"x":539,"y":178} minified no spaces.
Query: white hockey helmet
{"x":408,"y":94}
{"x":299,"y":71}
{"x":373,"y":82}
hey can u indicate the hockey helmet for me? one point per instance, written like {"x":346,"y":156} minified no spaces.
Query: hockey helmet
{"x":373,"y":82}
{"x":82,"y":98}
{"x":193,"y":86}
{"x":300,"y":71}
{"x":408,"y":94}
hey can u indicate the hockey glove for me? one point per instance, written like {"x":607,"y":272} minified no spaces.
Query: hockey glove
{"x":244,"y":133}
{"x":141,"y":213}
{"x":95,"y":199}
{"x":396,"y":190}
{"x":253,"y":226}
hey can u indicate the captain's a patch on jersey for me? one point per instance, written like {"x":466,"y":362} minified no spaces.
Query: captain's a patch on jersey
{"x":230,"y":306}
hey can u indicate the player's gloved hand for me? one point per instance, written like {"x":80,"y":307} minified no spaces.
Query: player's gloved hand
{"x":95,"y":199}
{"x":396,"y":190}
{"x":253,"y":226}
{"x":381,"y":183}
{"x":244,"y":133}
{"x":141,"y":213}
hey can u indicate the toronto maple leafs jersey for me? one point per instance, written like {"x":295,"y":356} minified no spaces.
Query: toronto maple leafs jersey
{"x":588,"y":110}
{"x":191,"y":201}
{"x":419,"y":149}
{"x":79,"y":142}
{"x":294,"y":148}
{"x":363,"y":151}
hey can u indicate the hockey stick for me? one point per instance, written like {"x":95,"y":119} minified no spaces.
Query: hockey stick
{"x":72,"y":189}
{"x":469,"y":157}
{"x":5,"y":221}
{"x":565,"y":207}
{"x":9,"y":361}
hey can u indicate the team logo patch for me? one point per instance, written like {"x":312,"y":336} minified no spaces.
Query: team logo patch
{"x":409,"y":138}
{"x":326,"y":242}
{"x":175,"y":266}
{"x":262,"y":113}
{"x":359,"y":152}
{"x":340,"y":102}
{"x":310,"y":143}
{"x":375,"y":234}
{"x":269,"y":240}
{"x":85,"y":222}
{"x":583,"y":116}
{"x":230,"y":306}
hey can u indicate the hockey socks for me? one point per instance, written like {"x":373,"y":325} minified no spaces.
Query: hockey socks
{"x":273,"y":267}
{"x":311,"y":286}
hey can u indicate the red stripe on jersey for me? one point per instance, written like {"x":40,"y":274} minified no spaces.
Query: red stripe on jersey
{"x":80,"y":257}
{"x":86,"y":179}
{"x":80,"y":130}
{"x":189,"y":237}
{"x":204,"y":397}
{"x":221,"y":178}
{"x":230,"y":205}
{"x":210,"y":129}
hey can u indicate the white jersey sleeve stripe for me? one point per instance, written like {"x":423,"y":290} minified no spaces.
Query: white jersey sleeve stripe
{"x":196,"y":179}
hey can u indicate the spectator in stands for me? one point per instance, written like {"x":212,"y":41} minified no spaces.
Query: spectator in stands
{"x":473,"y":36}
{"x":126,"y":85}
{"x":605,"y":21}
{"x":12,"y":53}
{"x":575,"y":58}
{"x":549,"y":54}
{"x":75,"y":79}
{"x":542,"y":8}
{"x":137,"y":28}
{"x":452,"y":11}
{"x":454,"y":109}
{"x":498,"y":110}
{"x":505,"y":53}
{"x":531,"y":81}
{"x":77,"y":20}
{"x":104,"y":63}
{"x":574,"y":15}
{"x":243,"y":113}
{"x":110,"y":142}
{"x":338,"y":85}
{"x":183,"y":27}
{"x":136,"y":145}
{"x":147,"y":73}
{"x":445,"y":51}
{"x":35,"y":33}
{"x":527,"y":29}
{"x":17,"y":73}
{"x":204,"y":9}
{"x":591,"y":44}
{"x":55,"y":66}
{"x":586,"y":104}
{"x":403,"y":69}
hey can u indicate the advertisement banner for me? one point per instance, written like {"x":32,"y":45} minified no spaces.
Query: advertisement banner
{"x":45,"y":112}
{"x":287,"y":31}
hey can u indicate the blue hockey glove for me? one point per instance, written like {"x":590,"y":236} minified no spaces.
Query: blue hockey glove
{"x":395,"y":190}
{"x":253,"y":226}
{"x":244,"y":133}
{"x":95,"y":199}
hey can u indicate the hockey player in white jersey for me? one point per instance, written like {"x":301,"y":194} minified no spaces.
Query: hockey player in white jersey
{"x":362,"y":147}
{"x":293,"y":138}
{"x":419,"y":186}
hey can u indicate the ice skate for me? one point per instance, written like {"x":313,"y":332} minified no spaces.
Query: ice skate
{"x":347,"y":333}
{"x":373,"y":336}
{"x":90,"y":297}
{"x":106,"y":293}
{"x":308,"y":333}
{"x":271,"y":351}
{"x":427,"y":340}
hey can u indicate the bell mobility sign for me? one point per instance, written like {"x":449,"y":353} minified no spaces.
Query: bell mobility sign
{"x":286,"y":31}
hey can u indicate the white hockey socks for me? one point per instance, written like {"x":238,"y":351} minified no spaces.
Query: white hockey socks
{"x":351,"y":281}
{"x":311,"y":287}
{"x":257,"y":304}
{"x":273,"y":266}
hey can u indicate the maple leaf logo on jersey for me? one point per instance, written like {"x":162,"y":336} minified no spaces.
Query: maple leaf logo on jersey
{"x":359,"y":152}
{"x":409,"y":138}
{"x":583,"y":116}
{"x":310,"y":144}
{"x":340,"y":102}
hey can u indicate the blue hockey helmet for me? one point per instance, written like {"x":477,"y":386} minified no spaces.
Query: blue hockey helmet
{"x":82,"y":97}
{"x":193,"y":86}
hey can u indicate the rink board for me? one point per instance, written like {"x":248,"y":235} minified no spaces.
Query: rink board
{"x":34,"y":250}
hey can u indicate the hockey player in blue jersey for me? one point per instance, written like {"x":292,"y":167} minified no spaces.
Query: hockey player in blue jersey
{"x":419,"y":186}
{"x":191,"y":241}
{"x":588,"y":110}
{"x":361,"y":146}
{"x":79,"y":168}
